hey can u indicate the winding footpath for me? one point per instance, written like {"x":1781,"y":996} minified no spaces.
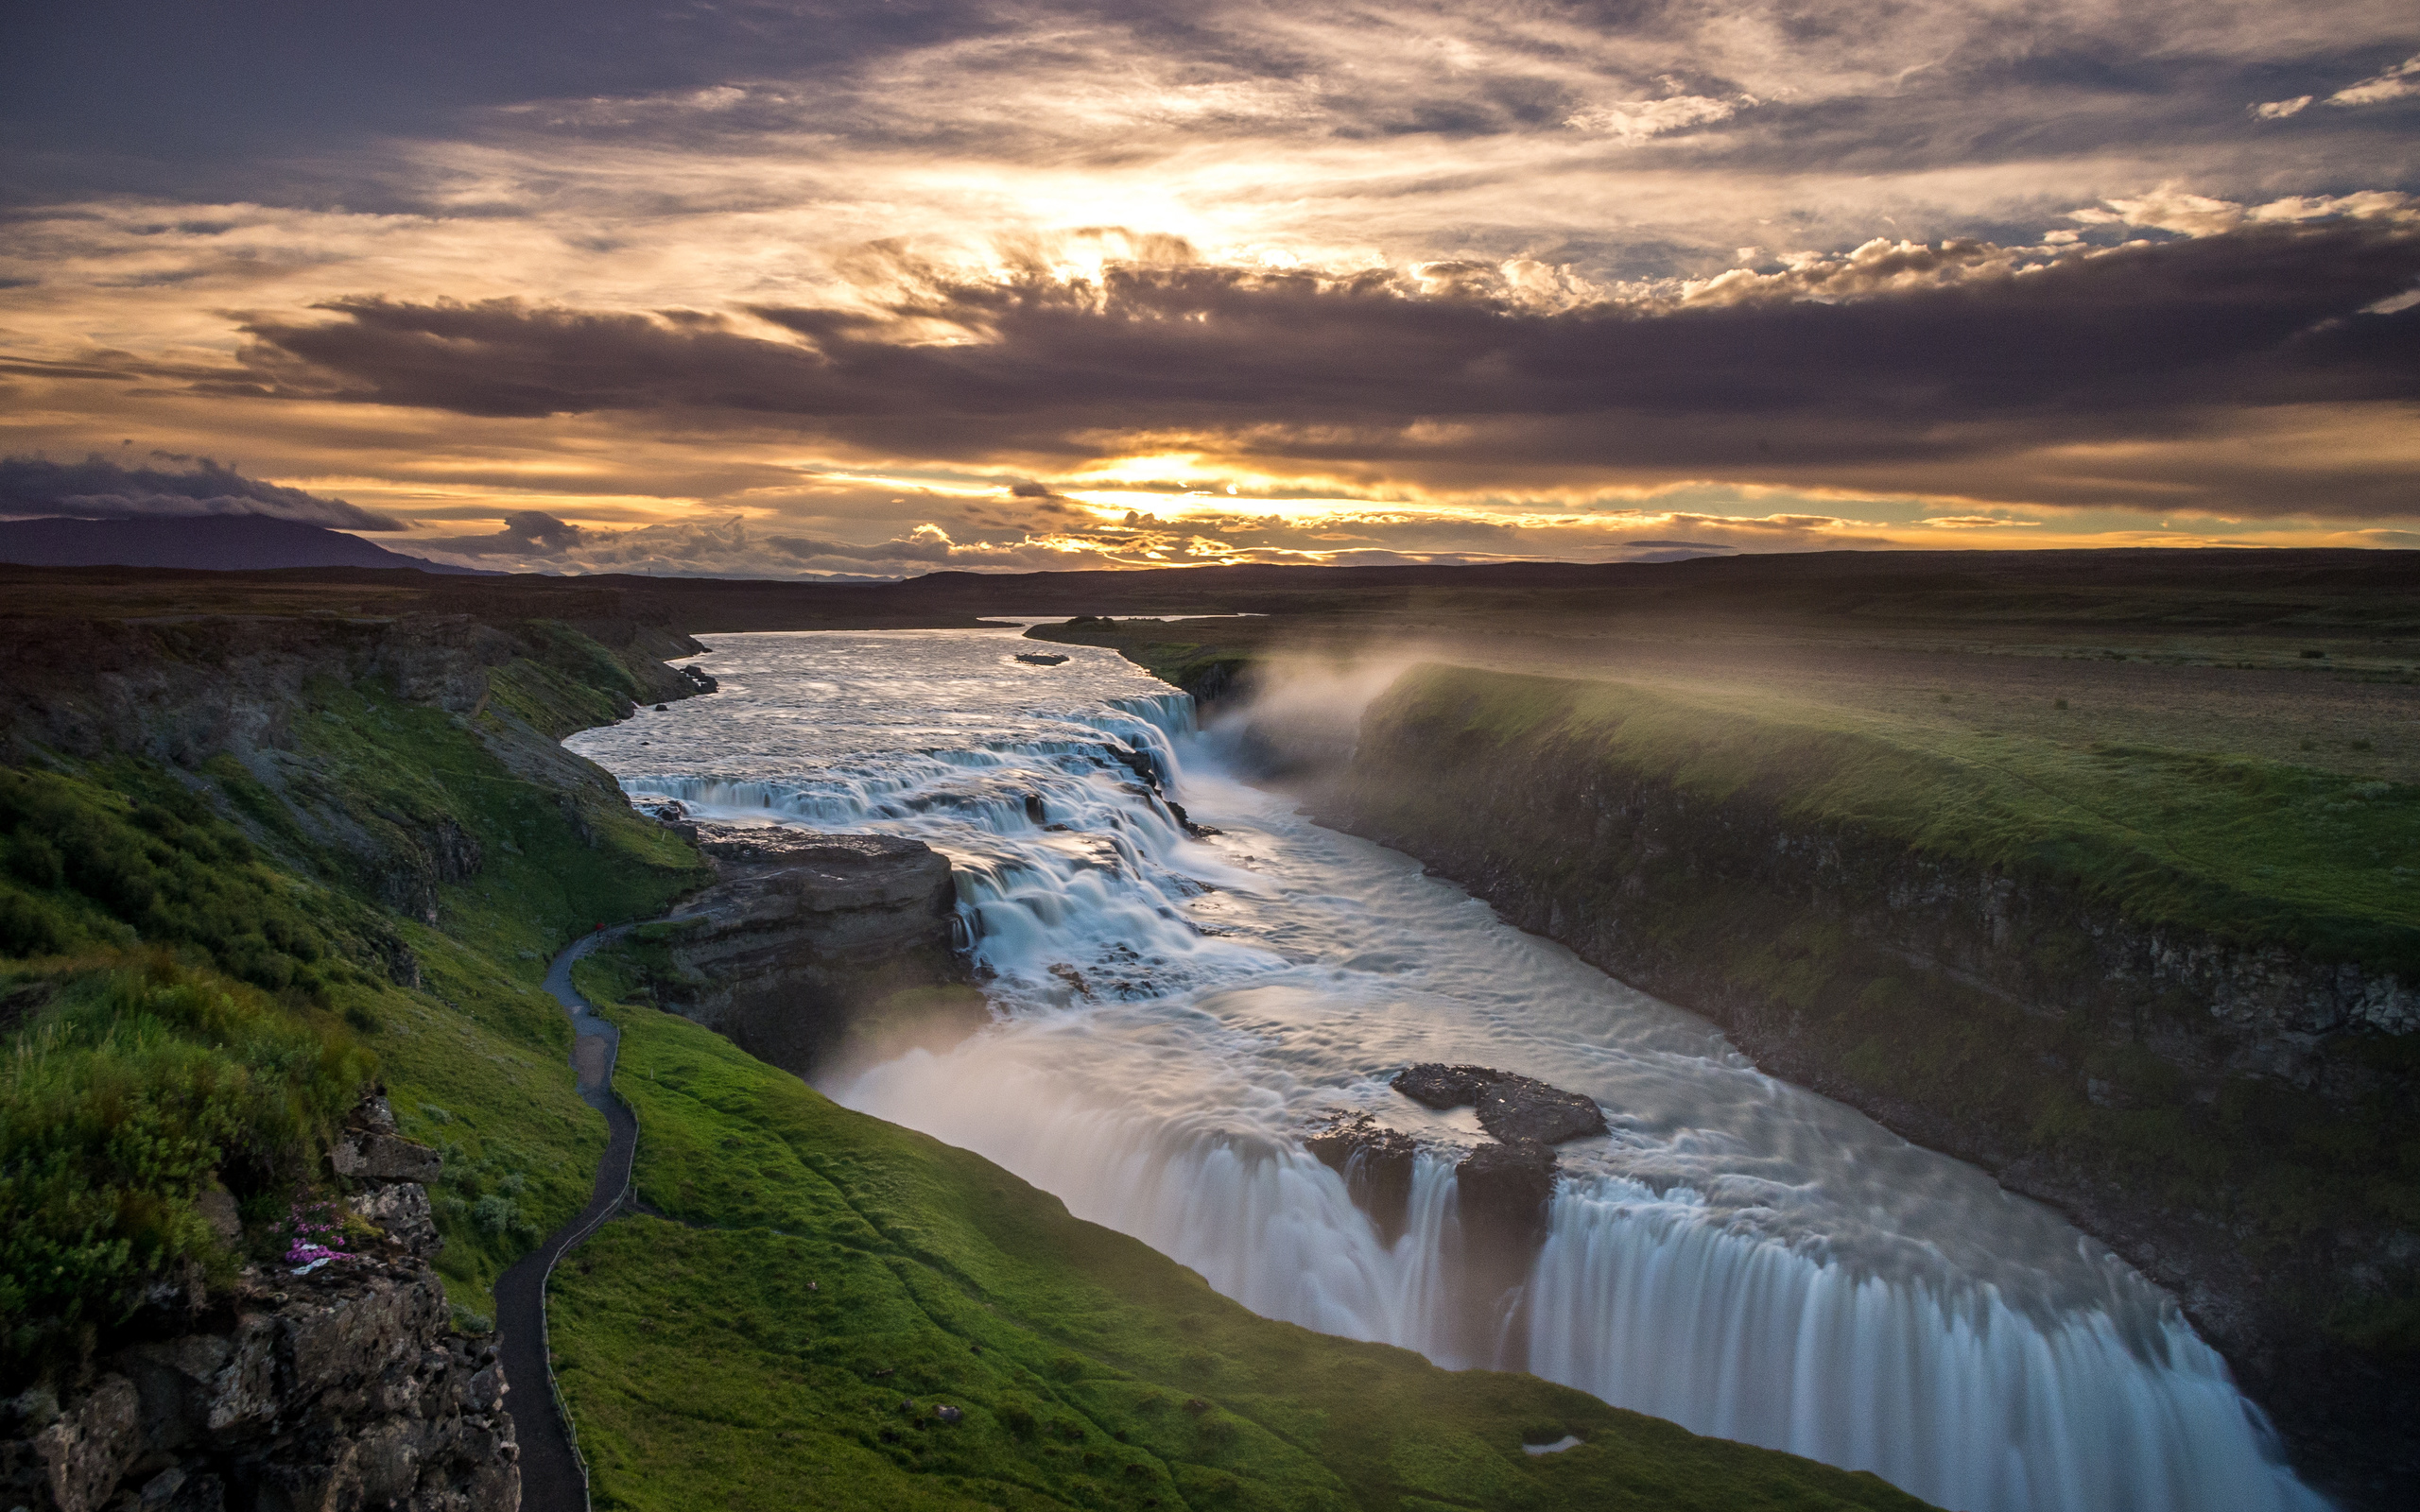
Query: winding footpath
{"x":554,"y":1478}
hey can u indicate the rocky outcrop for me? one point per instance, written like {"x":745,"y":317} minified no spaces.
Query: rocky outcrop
{"x":184,"y":692}
{"x":1376,"y":1162}
{"x":1504,"y":1189}
{"x":329,"y":1387}
{"x":1512,"y":1109}
{"x":806,"y":940}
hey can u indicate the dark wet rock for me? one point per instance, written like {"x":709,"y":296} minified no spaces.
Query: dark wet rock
{"x":1442,"y":1087}
{"x":1376,"y":1162}
{"x":1505,"y":1189}
{"x":1518,"y":1108}
{"x":699,"y":679}
{"x":1039,"y":658}
{"x":1510,"y":1107}
{"x":1035,"y":809}
{"x":1137,"y":761}
{"x":672,"y":814}
{"x":1184,"y":821}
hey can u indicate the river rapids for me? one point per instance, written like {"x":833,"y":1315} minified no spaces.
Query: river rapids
{"x":1738,"y":1255}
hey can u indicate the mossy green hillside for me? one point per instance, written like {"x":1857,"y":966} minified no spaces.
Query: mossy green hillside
{"x":1196,"y":666}
{"x":2247,"y":851}
{"x":822,"y":1282}
{"x":201,"y":969}
{"x":138,"y":1084}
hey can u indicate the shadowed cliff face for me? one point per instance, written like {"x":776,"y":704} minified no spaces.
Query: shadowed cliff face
{"x":815,"y":948}
{"x":2192,"y":1100}
{"x":338,"y":1389}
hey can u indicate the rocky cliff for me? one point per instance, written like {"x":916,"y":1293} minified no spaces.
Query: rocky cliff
{"x":2203,"y":1105}
{"x":808,"y":945}
{"x":230,"y":688}
{"x":328,"y":1387}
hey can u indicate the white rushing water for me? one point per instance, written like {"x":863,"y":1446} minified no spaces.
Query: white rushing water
{"x":1739,"y":1255}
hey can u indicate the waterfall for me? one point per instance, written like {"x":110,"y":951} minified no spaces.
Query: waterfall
{"x":1739,"y":1256}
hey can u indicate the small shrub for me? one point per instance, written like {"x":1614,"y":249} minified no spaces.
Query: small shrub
{"x":141,"y":1084}
{"x":494,"y":1216}
{"x":2059,"y":703}
{"x":2315,"y":655}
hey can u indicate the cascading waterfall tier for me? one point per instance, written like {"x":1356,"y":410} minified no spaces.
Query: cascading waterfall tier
{"x":1737,"y":1255}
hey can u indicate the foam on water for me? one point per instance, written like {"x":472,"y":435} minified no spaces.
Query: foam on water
{"x":1738,"y":1255}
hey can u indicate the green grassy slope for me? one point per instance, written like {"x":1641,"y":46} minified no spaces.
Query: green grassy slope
{"x":819,"y":1269}
{"x":2249,"y":851}
{"x":201,"y":970}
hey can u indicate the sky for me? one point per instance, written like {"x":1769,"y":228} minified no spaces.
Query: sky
{"x":877,"y":288}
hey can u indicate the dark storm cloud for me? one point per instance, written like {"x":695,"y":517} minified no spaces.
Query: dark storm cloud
{"x":525,"y":533}
{"x":1982,"y":358}
{"x":102,"y":488}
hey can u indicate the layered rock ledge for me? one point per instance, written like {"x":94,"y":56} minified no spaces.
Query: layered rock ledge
{"x":808,"y":941}
{"x":338,"y":1389}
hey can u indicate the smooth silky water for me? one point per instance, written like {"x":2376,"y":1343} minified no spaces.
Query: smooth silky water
{"x":1739,"y":1255}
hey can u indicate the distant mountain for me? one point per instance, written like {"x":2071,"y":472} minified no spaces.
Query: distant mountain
{"x":215,"y":542}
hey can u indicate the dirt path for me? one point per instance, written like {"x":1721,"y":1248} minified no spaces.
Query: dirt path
{"x":552,"y":1476}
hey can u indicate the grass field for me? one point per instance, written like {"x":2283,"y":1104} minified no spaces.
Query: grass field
{"x":822,"y":1282}
{"x":204,"y":969}
{"x":2247,"y":850}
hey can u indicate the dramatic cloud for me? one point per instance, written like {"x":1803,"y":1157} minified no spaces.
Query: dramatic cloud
{"x":835,"y":287}
{"x":1897,"y":355}
{"x":102,"y":488}
{"x":2401,"y":82}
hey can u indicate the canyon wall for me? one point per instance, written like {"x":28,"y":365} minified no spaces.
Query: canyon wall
{"x":811,"y":948}
{"x":2226,"y":1115}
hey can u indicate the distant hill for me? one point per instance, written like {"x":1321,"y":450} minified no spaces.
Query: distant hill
{"x":217,"y":542}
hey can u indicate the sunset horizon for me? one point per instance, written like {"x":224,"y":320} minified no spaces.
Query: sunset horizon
{"x":833,"y":292}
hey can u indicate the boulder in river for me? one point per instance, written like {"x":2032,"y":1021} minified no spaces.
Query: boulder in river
{"x":1510,"y":1108}
{"x":1504,"y":1191}
{"x":1376,"y":1162}
{"x":1442,"y":1087}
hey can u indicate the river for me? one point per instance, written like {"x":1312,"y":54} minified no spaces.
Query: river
{"x":1738,"y":1255}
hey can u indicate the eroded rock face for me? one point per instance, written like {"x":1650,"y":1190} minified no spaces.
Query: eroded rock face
{"x":1511,"y":1108}
{"x":807,"y":935}
{"x":336,"y":1391}
{"x":1376,"y":1162}
{"x":1505,"y":1189}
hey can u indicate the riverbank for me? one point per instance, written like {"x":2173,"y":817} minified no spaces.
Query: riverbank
{"x":834,"y":1302}
{"x":347,"y":847}
{"x":2212,"y":1078}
